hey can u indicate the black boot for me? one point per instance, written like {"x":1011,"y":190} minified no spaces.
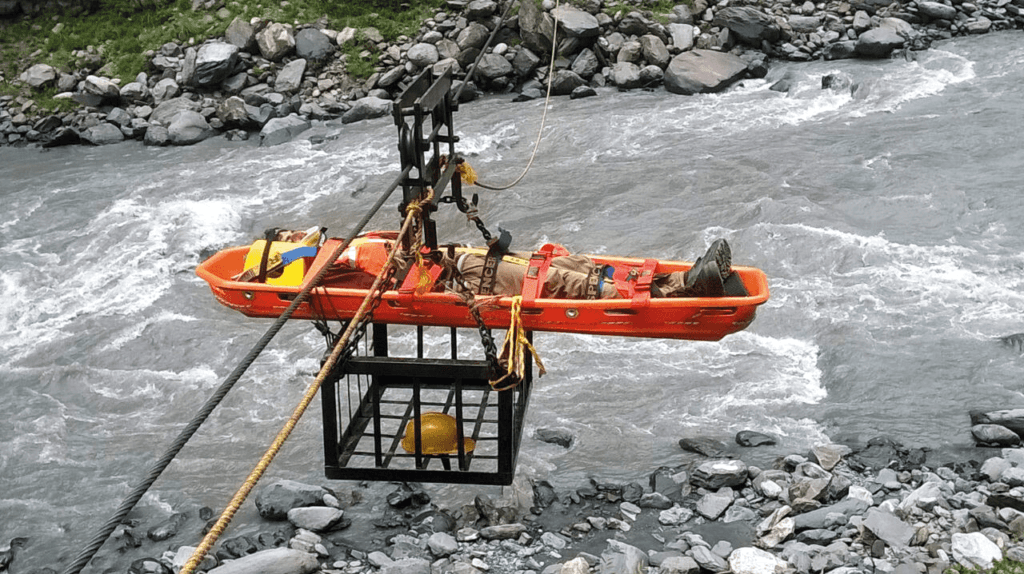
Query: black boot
{"x":721,"y":254}
{"x":704,"y":279}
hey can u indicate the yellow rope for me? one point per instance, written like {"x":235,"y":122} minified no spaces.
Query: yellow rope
{"x":250,"y":482}
{"x":513,"y":349}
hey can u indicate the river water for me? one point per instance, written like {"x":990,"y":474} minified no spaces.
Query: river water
{"x":888,"y":223}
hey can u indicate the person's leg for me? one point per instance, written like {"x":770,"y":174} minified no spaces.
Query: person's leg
{"x":705,"y":279}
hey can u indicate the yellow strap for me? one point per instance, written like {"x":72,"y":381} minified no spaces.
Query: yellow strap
{"x":513,"y":349}
{"x":481,"y":251}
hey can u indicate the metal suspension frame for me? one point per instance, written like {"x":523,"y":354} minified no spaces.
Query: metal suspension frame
{"x":366,"y":446}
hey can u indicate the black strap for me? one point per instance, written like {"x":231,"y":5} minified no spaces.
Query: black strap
{"x":489,"y":277}
{"x":594,"y":282}
{"x":269,"y":235}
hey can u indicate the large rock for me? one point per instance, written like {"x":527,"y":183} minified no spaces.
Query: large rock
{"x":974,"y":550}
{"x":367,"y":108}
{"x":241,"y":33}
{"x":703,"y":71}
{"x":473,"y":36}
{"x":536,"y":27}
{"x":622,"y":557}
{"x":1012,"y":419}
{"x":936,"y":10}
{"x":215,"y":61}
{"x":277,"y":498}
{"x":312,"y":44}
{"x":885,"y":526}
{"x":280,"y":130}
{"x":289,"y":78}
{"x":423,"y":55}
{"x":565,"y":81}
{"x":275,"y":41}
{"x":749,"y":24}
{"x":103,"y":134}
{"x":272,"y":561}
{"x":682,"y":36}
{"x":654,"y":50}
{"x":165,"y":89}
{"x":754,"y":561}
{"x":493,"y":66}
{"x":39,"y":75}
{"x":316,"y":518}
{"x":576,"y":22}
{"x":102,"y":87}
{"x":166,"y":111}
{"x":714,"y":474}
{"x":625,"y":75}
{"x":188,"y":127}
{"x":891,"y":34}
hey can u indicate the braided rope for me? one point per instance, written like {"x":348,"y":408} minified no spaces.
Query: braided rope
{"x":412,"y":212}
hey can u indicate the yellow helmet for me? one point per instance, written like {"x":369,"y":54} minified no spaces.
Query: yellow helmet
{"x":438,"y":435}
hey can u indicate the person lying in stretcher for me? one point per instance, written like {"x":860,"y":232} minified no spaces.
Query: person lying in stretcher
{"x":568,"y":276}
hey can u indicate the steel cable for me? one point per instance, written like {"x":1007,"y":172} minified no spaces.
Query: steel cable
{"x":143,"y":486}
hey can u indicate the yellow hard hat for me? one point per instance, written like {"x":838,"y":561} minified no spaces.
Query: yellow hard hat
{"x":438,"y":435}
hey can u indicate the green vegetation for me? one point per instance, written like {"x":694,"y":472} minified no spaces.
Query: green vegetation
{"x":119,"y":33}
{"x":1004,"y":566}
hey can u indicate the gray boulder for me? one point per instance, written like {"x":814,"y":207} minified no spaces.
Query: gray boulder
{"x":215,"y":61}
{"x":576,"y":22}
{"x":936,"y":10}
{"x":493,"y":66}
{"x":134,"y":92}
{"x":275,"y":41}
{"x":367,"y":108}
{"x":472,"y":36}
{"x":804,"y":24}
{"x":682,"y":36}
{"x":156,"y":135}
{"x":703,"y":71}
{"x":277,"y":498}
{"x":481,"y":9}
{"x":188,"y":127}
{"x":272,"y":561}
{"x":312,"y":44}
{"x":622,"y":557}
{"x":164,"y":90}
{"x":654,"y":50}
{"x":423,"y":55}
{"x":749,"y":24}
{"x":625,"y":75}
{"x":280,"y":130}
{"x":102,"y":134}
{"x":316,"y":518}
{"x":887,"y":527}
{"x":241,"y":34}
{"x":102,"y":87}
{"x":166,"y":111}
{"x":891,"y":34}
{"x":586,"y":63}
{"x":536,"y":28}
{"x":714,"y":474}
{"x":565,"y":81}
{"x":289,"y":78}
{"x":39,"y":75}
{"x":525,"y":62}
{"x":994,"y":435}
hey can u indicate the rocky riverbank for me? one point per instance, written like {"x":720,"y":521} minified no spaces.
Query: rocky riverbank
{"x":881,"y":508}
{"x":276,"y":79}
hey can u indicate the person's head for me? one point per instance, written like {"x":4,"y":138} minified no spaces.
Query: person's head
{"x":290,"y":235}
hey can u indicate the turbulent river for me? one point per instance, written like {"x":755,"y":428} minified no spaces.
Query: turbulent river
{"x":888,"y":223}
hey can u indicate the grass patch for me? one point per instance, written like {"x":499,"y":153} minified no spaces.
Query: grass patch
{"x":1004,"y":566}
{"x":121,"y":34}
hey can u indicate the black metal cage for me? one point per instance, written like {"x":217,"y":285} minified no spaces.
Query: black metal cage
{"x":372,"y":405}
